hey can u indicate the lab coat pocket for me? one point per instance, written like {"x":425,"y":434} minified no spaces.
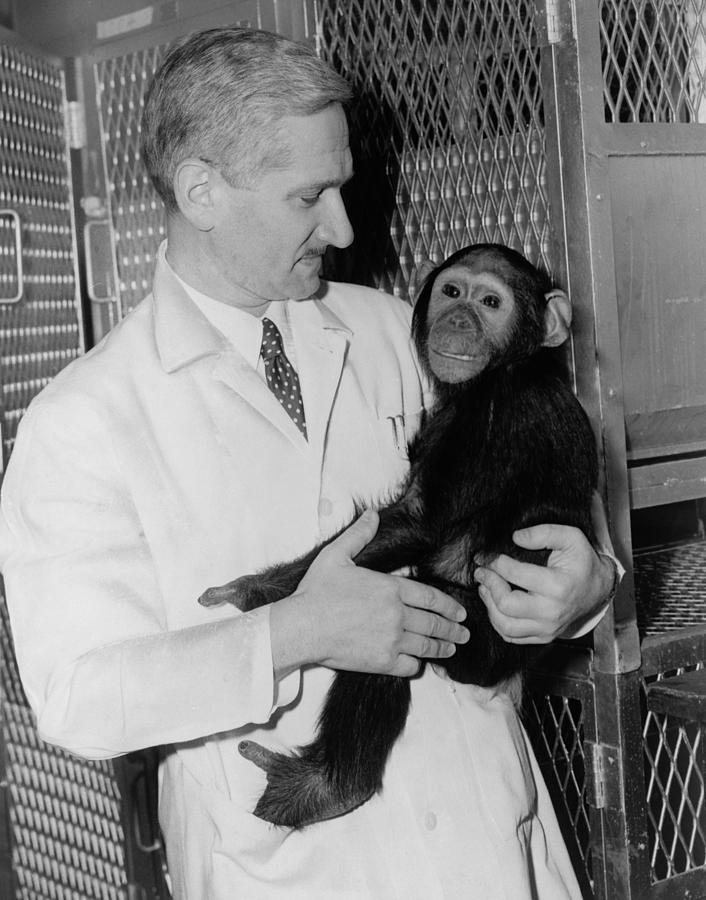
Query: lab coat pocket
{"x":398,"y":429}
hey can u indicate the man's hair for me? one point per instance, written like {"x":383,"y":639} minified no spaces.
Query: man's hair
{"x":219,"y":95}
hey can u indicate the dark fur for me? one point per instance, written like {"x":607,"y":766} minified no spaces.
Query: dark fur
{"x":510,"y":448}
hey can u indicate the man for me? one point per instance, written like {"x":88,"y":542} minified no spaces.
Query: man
{"x":162,"y":463}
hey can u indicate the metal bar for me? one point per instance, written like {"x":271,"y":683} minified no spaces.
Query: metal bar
{"x":664,"y":652}
{"x":107,"y":280}
{"x":667,"y":482}
{"x":683,"y":696}
{"x":690,"y":884}
{"x":11,"y":214}
{"x":622,"y":864}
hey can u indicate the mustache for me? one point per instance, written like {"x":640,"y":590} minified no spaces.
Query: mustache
{"x":315,"y":251}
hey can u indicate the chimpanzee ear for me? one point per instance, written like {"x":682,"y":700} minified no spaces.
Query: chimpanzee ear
{"x":557,"y":318}
{"x":421,"y":274}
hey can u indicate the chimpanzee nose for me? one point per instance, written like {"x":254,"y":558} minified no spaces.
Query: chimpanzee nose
{"x":461,"y":317}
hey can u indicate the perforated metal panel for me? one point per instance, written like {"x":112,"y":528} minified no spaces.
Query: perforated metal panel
{"x":64,"y":817}
{"x":42,"y":331}
{"x":136,"y":210}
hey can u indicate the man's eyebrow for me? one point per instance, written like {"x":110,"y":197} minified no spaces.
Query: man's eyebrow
{"x":317,"y":186}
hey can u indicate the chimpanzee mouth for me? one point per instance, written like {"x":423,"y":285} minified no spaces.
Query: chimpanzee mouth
{"x":464,"y":357}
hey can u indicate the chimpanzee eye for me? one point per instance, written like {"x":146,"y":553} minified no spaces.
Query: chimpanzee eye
{"x":450,"y":290}
{"x":492,"y":301}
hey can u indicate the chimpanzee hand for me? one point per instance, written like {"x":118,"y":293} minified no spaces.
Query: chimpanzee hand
{"x":549,"y":602}
{"x":348,"y":617}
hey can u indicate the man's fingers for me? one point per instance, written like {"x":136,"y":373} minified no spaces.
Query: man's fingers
{"x":430,"y":625}
{"x":504,"y":571}
{"x":519,"y":617}
{"x":423,"y":596}
{"x":424,"y":647}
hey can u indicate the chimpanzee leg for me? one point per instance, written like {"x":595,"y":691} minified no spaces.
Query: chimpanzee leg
{"x":342,"y":768}
{"x":398,"y":542}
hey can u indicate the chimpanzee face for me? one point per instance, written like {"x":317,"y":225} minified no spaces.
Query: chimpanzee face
{"x":483,"y":307}
{"x":470,"y":320}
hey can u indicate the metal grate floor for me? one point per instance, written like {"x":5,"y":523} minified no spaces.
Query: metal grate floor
{"x":670,"y":588}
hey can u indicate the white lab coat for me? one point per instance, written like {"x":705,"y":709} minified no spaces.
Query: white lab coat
{"x":160,"y":464}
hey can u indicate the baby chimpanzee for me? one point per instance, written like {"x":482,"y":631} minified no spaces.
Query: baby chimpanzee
{"x":507,"y":445}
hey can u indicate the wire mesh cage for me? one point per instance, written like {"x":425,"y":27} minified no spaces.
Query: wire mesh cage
{"x":447,"y":132}
{"x":670,"y":587}
{"x":654,"y":60}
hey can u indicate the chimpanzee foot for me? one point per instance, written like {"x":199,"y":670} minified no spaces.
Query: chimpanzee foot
{"x":298,"y":792}
{"x":247,"y":592}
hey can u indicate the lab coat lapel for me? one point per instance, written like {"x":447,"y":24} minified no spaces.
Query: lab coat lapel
{"x":322,"y":342}
{"x":184,"y":336}
{"x":237,"y":374}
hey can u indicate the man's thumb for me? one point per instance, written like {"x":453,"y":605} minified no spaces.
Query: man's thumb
{"x":541,"y":537}
{"x":358,"y":535}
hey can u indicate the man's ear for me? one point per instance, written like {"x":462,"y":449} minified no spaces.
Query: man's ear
{"x":557,"y":318}
{"x":194,"y":192}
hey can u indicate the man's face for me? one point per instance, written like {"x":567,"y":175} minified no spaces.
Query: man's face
{"x":268,"y":241}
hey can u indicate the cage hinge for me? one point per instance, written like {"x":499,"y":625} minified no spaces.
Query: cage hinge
{"x":553,"y":22}
{"x":604,"y":762}
{"x":75,"y":125}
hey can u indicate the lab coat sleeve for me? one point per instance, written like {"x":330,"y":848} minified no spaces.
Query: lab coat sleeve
{"x":102,"y":670}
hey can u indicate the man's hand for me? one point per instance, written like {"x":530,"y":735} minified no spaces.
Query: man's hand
{"x":556,"y":600}
{"x":348,"y":617}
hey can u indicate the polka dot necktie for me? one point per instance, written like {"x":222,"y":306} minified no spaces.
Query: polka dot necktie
{"x":281,"y":375}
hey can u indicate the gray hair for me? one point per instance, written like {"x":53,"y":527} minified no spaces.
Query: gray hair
{"x":219,"y":95}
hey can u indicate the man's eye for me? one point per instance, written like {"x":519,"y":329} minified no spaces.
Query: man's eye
{"x":450,"y":290}
{"x":310,"y":201}
{"x":492,"y":301}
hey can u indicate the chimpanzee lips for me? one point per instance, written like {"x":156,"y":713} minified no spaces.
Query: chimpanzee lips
{"x":465,"y":357}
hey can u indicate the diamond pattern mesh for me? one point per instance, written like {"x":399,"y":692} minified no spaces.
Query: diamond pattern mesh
{"x":137,"y":211}
{"x":556,"y":727}
{"x":654,"y":60}
{"x":675,"y":768}
{"x":43,"y":332}
{"x":447,"y":131}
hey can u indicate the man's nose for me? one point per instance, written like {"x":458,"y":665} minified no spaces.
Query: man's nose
{"x":335,"y":229}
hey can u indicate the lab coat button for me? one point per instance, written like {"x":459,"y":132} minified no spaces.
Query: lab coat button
{"x":325,"y":507}
{"x":430,"y":821}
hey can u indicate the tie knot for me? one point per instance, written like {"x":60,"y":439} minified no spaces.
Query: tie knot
{"x":271,"y":340}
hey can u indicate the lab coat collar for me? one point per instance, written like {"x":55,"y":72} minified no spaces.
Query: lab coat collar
{"x":182,"y":333}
